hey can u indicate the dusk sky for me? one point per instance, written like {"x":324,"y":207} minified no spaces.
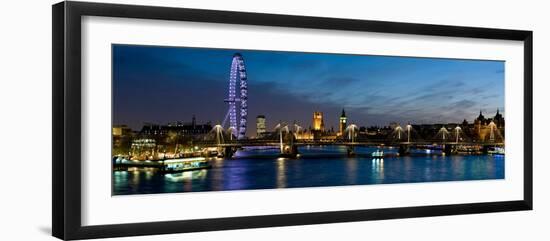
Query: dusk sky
{"x":168,"y":84}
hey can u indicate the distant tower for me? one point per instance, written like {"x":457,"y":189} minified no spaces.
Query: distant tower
{"x":499,"y":119}
{"x":478,"y":123}
{"x":318,"y":124}
{"x":481,"y":118}
{"x":260,"y":126}
{"x":342,"y":123}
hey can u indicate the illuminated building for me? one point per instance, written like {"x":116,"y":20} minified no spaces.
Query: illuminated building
{"x":122,"y":136}
{"x":260,"y":126}
{"x":144,"y":148}
{"x":479,"y":122}
{"x":318,"y":124}
{"x":304,"y":135}
{"x":489,"y":128}
{"x":342,"y":124}
{"x":143,"y":143}
{"x":499,"y":119}
{"x":121,"y":130}
{"x":191,"y":129}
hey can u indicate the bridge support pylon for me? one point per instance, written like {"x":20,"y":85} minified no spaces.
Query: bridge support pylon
{"x":448,"y":149}
{"x":485,"y":149}
{"x":351,"y":151}
{"x":404,"y":150}
{"x":228,"y":152}
{"x":290,"y":151}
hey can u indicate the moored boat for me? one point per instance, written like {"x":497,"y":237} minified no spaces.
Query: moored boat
{"x":497,"y":151}
{"x":184,"y":164}
{"x":378,"y":153}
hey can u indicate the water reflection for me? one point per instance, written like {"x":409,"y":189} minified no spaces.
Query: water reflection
{"x":407,"y":167}
{"x":378,"y":169}
{"x":317,"y":166}
{"x":237,"y":172}
{"x":281,"y":173}
{"x":458,"y":167}
{"x":351,"y":166}
{"x":185,"y":176}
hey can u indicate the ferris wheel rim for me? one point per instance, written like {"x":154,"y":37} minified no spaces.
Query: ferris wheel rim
{"x":237,"y":72}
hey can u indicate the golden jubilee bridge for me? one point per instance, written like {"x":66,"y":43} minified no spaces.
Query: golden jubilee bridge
{"x":288,"y":139}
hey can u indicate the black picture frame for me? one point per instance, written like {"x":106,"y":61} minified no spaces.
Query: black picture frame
{"x":66,"y":47}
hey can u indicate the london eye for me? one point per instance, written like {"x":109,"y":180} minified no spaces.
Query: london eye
{"x":238,"y":72}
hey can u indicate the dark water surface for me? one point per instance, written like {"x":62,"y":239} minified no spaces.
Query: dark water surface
{"x":317,"y":166}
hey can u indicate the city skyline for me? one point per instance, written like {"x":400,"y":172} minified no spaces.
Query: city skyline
{"x":167,"y":84}
{"x":310,"y":127}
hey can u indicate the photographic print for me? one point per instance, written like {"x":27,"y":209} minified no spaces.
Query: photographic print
{"x":203,"y":119}
{"x":337,"y":120}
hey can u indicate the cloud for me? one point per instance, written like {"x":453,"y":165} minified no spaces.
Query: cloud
{"x":490,"y":96}
{"x":339,"y":81}
{"x":463,"y":104}
{"x":444,"y":84}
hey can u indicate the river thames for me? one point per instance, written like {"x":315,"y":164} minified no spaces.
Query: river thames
{"x":316,"y":167}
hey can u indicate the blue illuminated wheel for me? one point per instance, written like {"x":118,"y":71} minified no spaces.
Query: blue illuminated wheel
{"x":238,"y":71}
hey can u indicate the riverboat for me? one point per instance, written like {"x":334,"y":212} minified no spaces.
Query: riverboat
{"x":497,"y":151}
{"x":184,"y":164}
{"x":378,"y":153}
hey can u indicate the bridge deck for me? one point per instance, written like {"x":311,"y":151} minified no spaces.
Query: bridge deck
{"x":344,"y":143}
